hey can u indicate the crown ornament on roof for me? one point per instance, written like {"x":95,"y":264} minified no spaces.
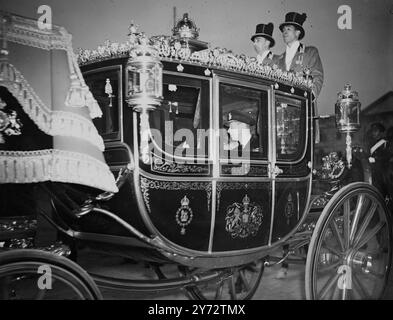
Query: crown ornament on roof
{"x":186,"y":28}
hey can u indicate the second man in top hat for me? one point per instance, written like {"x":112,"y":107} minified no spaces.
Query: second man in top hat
{"x":298,"y":57}
{"x":263,"y":42}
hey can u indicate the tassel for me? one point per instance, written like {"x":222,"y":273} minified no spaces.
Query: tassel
{"x":76,"y":95}
{"x":91,"y":103}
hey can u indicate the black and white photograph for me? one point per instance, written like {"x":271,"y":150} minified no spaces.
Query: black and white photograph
{"x":175,"y":150}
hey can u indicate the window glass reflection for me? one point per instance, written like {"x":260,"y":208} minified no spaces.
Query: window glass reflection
{"x":244,"y":117}
{"x":104,"y":85}
{"x":290,"y":128}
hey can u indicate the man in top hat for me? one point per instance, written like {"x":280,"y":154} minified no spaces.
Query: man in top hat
{"x":238,"y":126}
{"x":263,"y":42}
{"x":298,"y":57}
{"x":241,"y":141}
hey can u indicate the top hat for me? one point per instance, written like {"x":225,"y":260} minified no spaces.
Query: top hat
{"x":295,"y":19}
{"x":266,"y":31}
{"x":236,"y":115}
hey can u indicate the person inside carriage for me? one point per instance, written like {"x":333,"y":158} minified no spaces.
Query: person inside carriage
{"x":238,"y":126}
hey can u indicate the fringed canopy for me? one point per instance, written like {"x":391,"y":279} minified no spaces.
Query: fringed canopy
{"x":46,"y":110}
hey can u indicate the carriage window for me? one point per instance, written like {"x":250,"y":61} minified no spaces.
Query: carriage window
{"x":104,"y":84}
{"x":182,"y":121}
{"x":290,"y":124}
{"x":244,"y":121}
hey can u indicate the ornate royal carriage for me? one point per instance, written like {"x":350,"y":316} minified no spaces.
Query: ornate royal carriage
{"x":180,"y":197}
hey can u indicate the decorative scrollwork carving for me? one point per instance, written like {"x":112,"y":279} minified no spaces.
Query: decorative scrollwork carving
{"x":159,"y":165}
{"x":147,"y":184}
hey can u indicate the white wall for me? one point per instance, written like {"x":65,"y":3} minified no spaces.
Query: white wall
{"x":361,"y":56}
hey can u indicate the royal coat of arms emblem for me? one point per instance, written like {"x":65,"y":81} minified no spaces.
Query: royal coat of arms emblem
{"x":243,"y":219}
{"x":184,"y":215}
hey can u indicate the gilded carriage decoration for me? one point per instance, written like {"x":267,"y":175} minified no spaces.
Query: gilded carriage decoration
{"x":184,"y":215}
{"x":243,"y":219}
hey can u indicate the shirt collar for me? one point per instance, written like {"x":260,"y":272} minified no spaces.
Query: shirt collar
{"x":261,"y":57}
{"x":293,"y":48}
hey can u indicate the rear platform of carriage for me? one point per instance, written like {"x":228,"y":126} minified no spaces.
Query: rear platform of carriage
{"x":180,"y":197}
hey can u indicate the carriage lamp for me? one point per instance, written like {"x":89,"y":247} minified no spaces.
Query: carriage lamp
{"x":347,"y":111}
{"x":144,"y":87}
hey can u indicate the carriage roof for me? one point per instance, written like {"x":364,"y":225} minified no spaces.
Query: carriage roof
{"x":190,"y":51}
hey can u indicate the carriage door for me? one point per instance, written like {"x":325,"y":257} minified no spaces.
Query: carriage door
{"x":290,"y":172}
{"x":243,"y":186}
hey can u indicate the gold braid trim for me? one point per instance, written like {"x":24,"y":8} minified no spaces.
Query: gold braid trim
{"x":55,"y":165}
{"x":54,"y":123}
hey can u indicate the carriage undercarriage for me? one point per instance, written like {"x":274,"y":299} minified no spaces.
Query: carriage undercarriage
{"x":328,"y":249}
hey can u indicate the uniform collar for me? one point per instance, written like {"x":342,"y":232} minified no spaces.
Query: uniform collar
{"x":294,"y":47}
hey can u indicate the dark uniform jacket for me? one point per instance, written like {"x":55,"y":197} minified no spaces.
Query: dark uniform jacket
{"x":306,"y":57}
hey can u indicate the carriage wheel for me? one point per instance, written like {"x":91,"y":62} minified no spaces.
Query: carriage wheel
{"x":349,"y":256}
{"x":240,"y":284}
{"x":27,"y":274}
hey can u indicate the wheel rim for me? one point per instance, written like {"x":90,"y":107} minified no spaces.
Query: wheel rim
{"x":350,"y":253}
{"x":19,"y":281}
{"x":236,"y":283}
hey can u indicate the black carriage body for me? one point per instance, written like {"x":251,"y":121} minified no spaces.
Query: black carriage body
{"x":202,"y":200}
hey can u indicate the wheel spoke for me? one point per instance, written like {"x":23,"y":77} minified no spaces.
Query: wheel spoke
{"x":336,"y":232}
{"x":329,"y":284}
{"x":347,"y":222}
{"x":232,"y":289}
{"x":332,"y":250}
{"x":360,"y":243}
{"x":335,"y":293}
{"x":218,"y":294}
{"x":252,"y":267}
{"x":357,"y":283}
{"x":378,"y":276}
{"x":359,"y":207}
{"x":365,"y":223}
{"x":244,"y":280}
{"x":329,"y":267}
